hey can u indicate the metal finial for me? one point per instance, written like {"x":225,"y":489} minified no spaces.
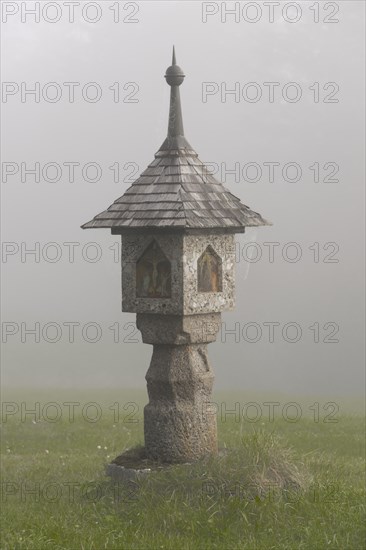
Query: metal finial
{"x":175,"y":139}
{"x":174,"y":74}
{"x":173,"y":58}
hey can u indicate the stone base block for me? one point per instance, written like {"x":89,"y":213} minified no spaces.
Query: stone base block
{"x":126,"y":475}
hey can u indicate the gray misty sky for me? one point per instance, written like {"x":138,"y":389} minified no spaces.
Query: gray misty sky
{"x":318,"y":137}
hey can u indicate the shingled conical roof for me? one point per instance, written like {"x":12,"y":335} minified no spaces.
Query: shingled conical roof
{"x":176,"y":190}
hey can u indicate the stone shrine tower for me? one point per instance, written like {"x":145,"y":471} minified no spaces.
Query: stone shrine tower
{"x":177,"y":224}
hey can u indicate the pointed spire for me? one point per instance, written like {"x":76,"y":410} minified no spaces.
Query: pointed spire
{"x":175,"y":140}
{"x":173,"y":58}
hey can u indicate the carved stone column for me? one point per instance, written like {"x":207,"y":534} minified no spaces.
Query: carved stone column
{"x":179,"y":421}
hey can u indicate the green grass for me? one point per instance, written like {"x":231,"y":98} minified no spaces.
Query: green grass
{"x":247,"y":499}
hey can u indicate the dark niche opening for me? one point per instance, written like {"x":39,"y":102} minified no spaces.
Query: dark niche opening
{"x":153,"y":273}
{"x":209,"y":271}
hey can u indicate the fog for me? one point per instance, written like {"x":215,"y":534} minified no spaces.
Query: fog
{"x":298,"y":326}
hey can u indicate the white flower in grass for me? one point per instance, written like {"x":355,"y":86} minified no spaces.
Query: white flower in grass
{"x":47,"y":452}
{"x":99,"y":447}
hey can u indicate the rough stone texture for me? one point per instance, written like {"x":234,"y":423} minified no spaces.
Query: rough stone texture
{"x":202,"y":302}
{"x":178,"y":329}
{"x":122,"y":474}
{"x":179,"y":422}
{"x":133,"y":246}
{"x":183,"y":251}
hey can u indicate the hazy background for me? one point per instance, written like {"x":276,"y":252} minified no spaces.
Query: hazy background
{"x":305,"y":292}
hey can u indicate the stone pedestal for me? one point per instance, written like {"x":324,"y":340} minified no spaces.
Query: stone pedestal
{"x":179,"y":421}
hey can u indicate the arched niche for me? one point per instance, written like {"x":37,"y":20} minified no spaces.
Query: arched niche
{"x":153,"y":273}
{"x":209,"y":271}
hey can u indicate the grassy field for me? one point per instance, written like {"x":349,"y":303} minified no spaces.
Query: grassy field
{"x":55,"y":493}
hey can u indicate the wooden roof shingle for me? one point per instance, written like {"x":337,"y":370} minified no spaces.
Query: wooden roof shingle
{"x":176,"y":189}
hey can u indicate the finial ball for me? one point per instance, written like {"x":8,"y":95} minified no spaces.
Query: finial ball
{"x":174,"y":75}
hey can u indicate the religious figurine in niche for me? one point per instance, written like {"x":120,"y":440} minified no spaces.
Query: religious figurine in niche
{"x":209,"y":271}
{"x":153,"y":274}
